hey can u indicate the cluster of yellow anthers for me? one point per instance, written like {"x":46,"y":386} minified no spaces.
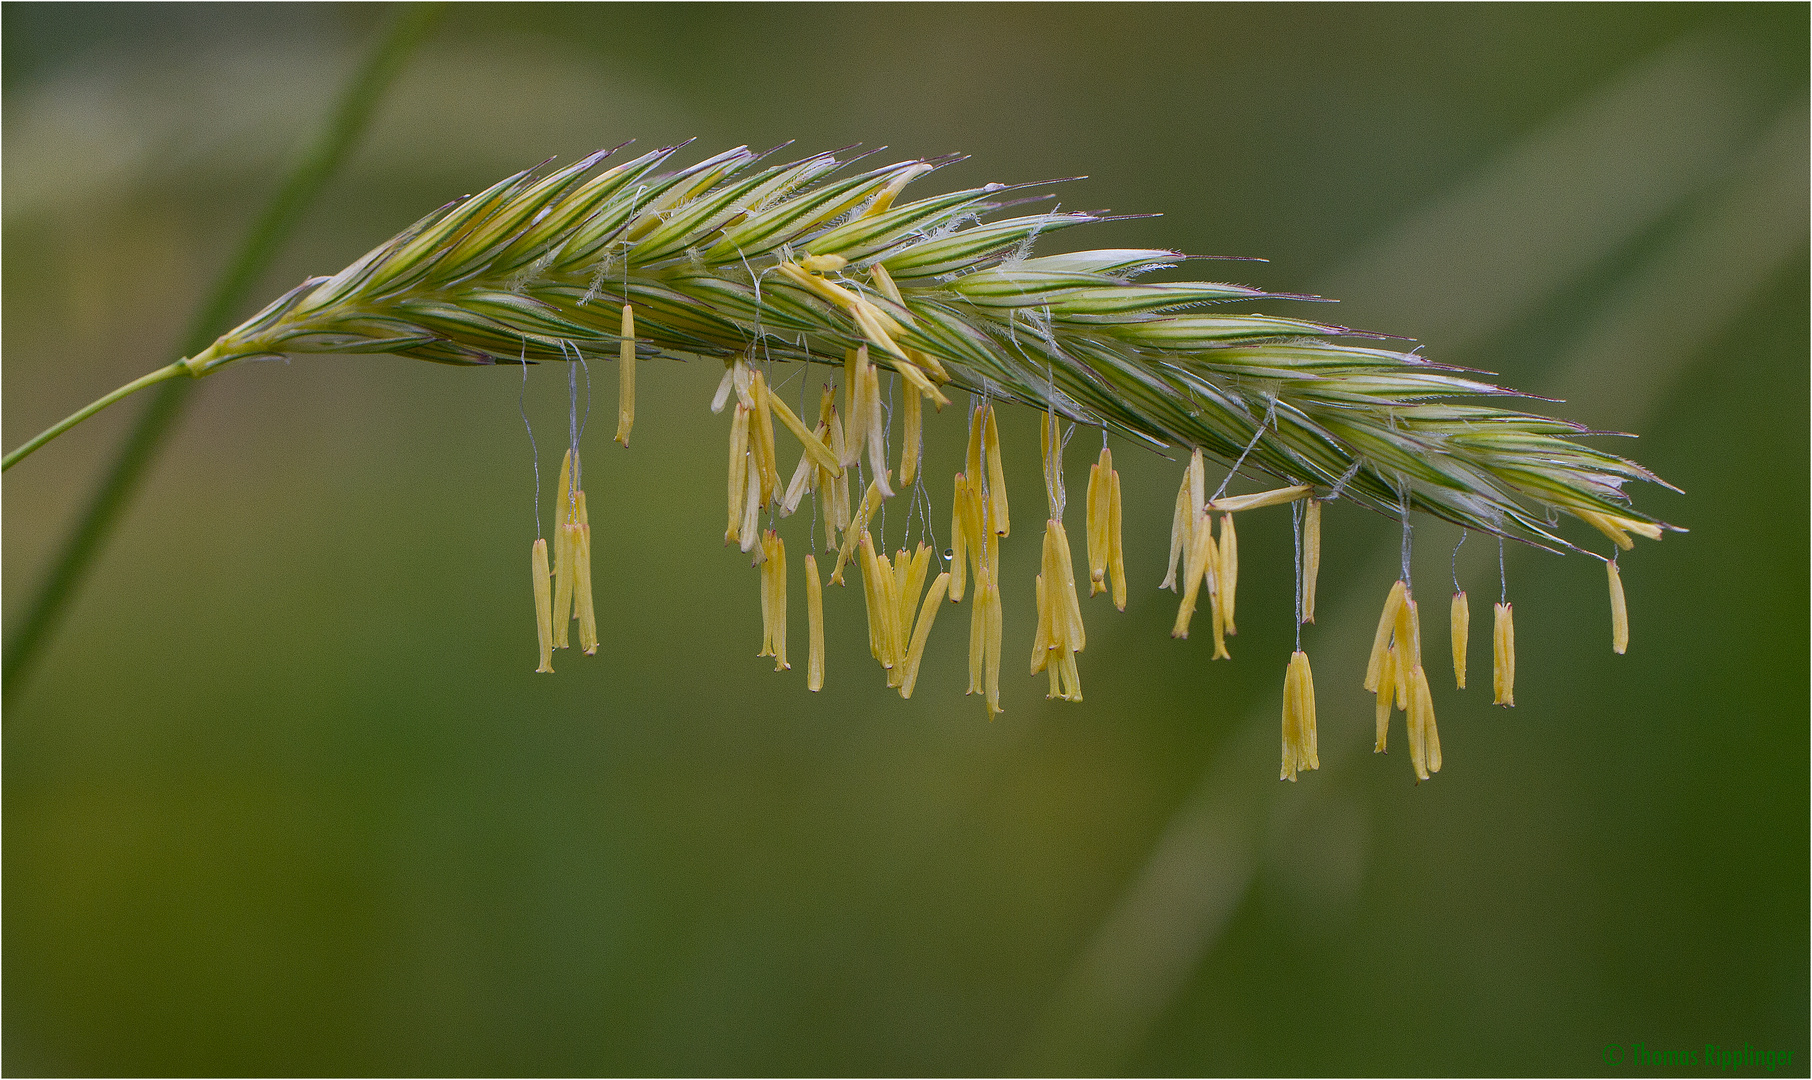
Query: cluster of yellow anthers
{"x":901,"y":610}
{"x":565,"y":594}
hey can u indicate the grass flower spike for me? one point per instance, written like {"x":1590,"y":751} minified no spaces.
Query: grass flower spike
{"x":759,"y":265}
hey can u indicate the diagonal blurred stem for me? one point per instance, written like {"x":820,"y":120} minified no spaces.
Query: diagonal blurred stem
{"x":318,"y":162}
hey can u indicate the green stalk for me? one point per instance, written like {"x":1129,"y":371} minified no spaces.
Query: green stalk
{"x":95,"y":406}
{"x":349,"y":120}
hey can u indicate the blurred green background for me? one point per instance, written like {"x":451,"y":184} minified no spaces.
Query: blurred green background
{"x":283,"y":796}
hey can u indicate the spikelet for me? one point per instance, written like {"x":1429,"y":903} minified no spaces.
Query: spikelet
{"x":544,"y":605}
{"x":1460,"y":625}
{"x":626,"y":377}
{"x":588,"y":614}
{"x":1620,"y":615}
{"x":1311,"y":556}
{"x":1387,"y":623}
{"x":1503,"y":656}
{"x":814,"y":626}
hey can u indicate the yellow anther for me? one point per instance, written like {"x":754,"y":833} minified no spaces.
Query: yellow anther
{"x":1229,"y":579}
{"x":1459,"y":626}
{"x":1387,"y":622}
{"x":823,"y":264}
{"x":1300,"y":749}
{"x":1618,"y":528}
{"x":1620,"y":615}
{"x":776,"y":571}
{"x":812,"y":442}
{"x":544,"y":605}
{"x":1202,"y":557}
{"x":1274,"y":497}
{"x":814,"y":626}
{"x":626,"y":377}
{"x":997,"y":474}
{"x":1503,"y":656}
{"x":877,"y":429}
{"x":739,"y":466}
{"x":1431,"y":736}
{"x":922,"y":632}
{"x":805,"y":474}
{"x":959,"y":540}
{"x":1387,"y":681}
{"x":1311,"y":557}
{"x":1116,"y":564}
{"x":1041,"y":638}
{"x":588,"y":615}
{"x":1095,"y":531}
{"x":761,"y":438}
{"x":858,"y":526}
{"x":1051,"y":457}
{"x":912,"y":438}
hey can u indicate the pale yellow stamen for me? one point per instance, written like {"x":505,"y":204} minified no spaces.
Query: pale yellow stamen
{"x":915,"y":585}
{"x":1460,"y":626}
{"x":922,"y":632}
{"x":972,"y":458}
{"x":1408,"y":643}
{"x":823,"y":264}
{"x":837,"y":513}
{"x":1202,"y":555}
{"x":739,"y":464}
{"x":588,"y":615}
{"x":1431,"y":737}
{"x":1041,"y":640}
{"x":776,"y":566}
{"x":959,"y":567}
{"x":566,"y":536}
{"x":858,"y":525}
{"x":1620,"y":615}
{"x":1116,"y":564}
{"x":761,"y":438}
{"x":544,"y":605}
{"x":1618,"y":528}
{"x":997,"y":475}
{"x":811,"y":441}
{"x":1387,"y":622}
{"x":1095,"y":530}
{"x":1387,"y":679}
{"x":626,"y":377}
{"x":877,"y":429}
{"x":1300,"y":741}
{"x":855,"y":382}
{"x":991,"y":657}
{"x":1415,"y":717}
{"x":1181,"y":521}
{"x":978,"y":633}
{"x":1229,"y":579}
{"x":750,"y":528}
{"x":814,"y":626}
{"x":912,"y":438}
{"x":805,"y":475}
{"x":871,"y":596}
{"x":1503,"y":656}
{"x":1311,"y":557}
{"x":1275,"y":497}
